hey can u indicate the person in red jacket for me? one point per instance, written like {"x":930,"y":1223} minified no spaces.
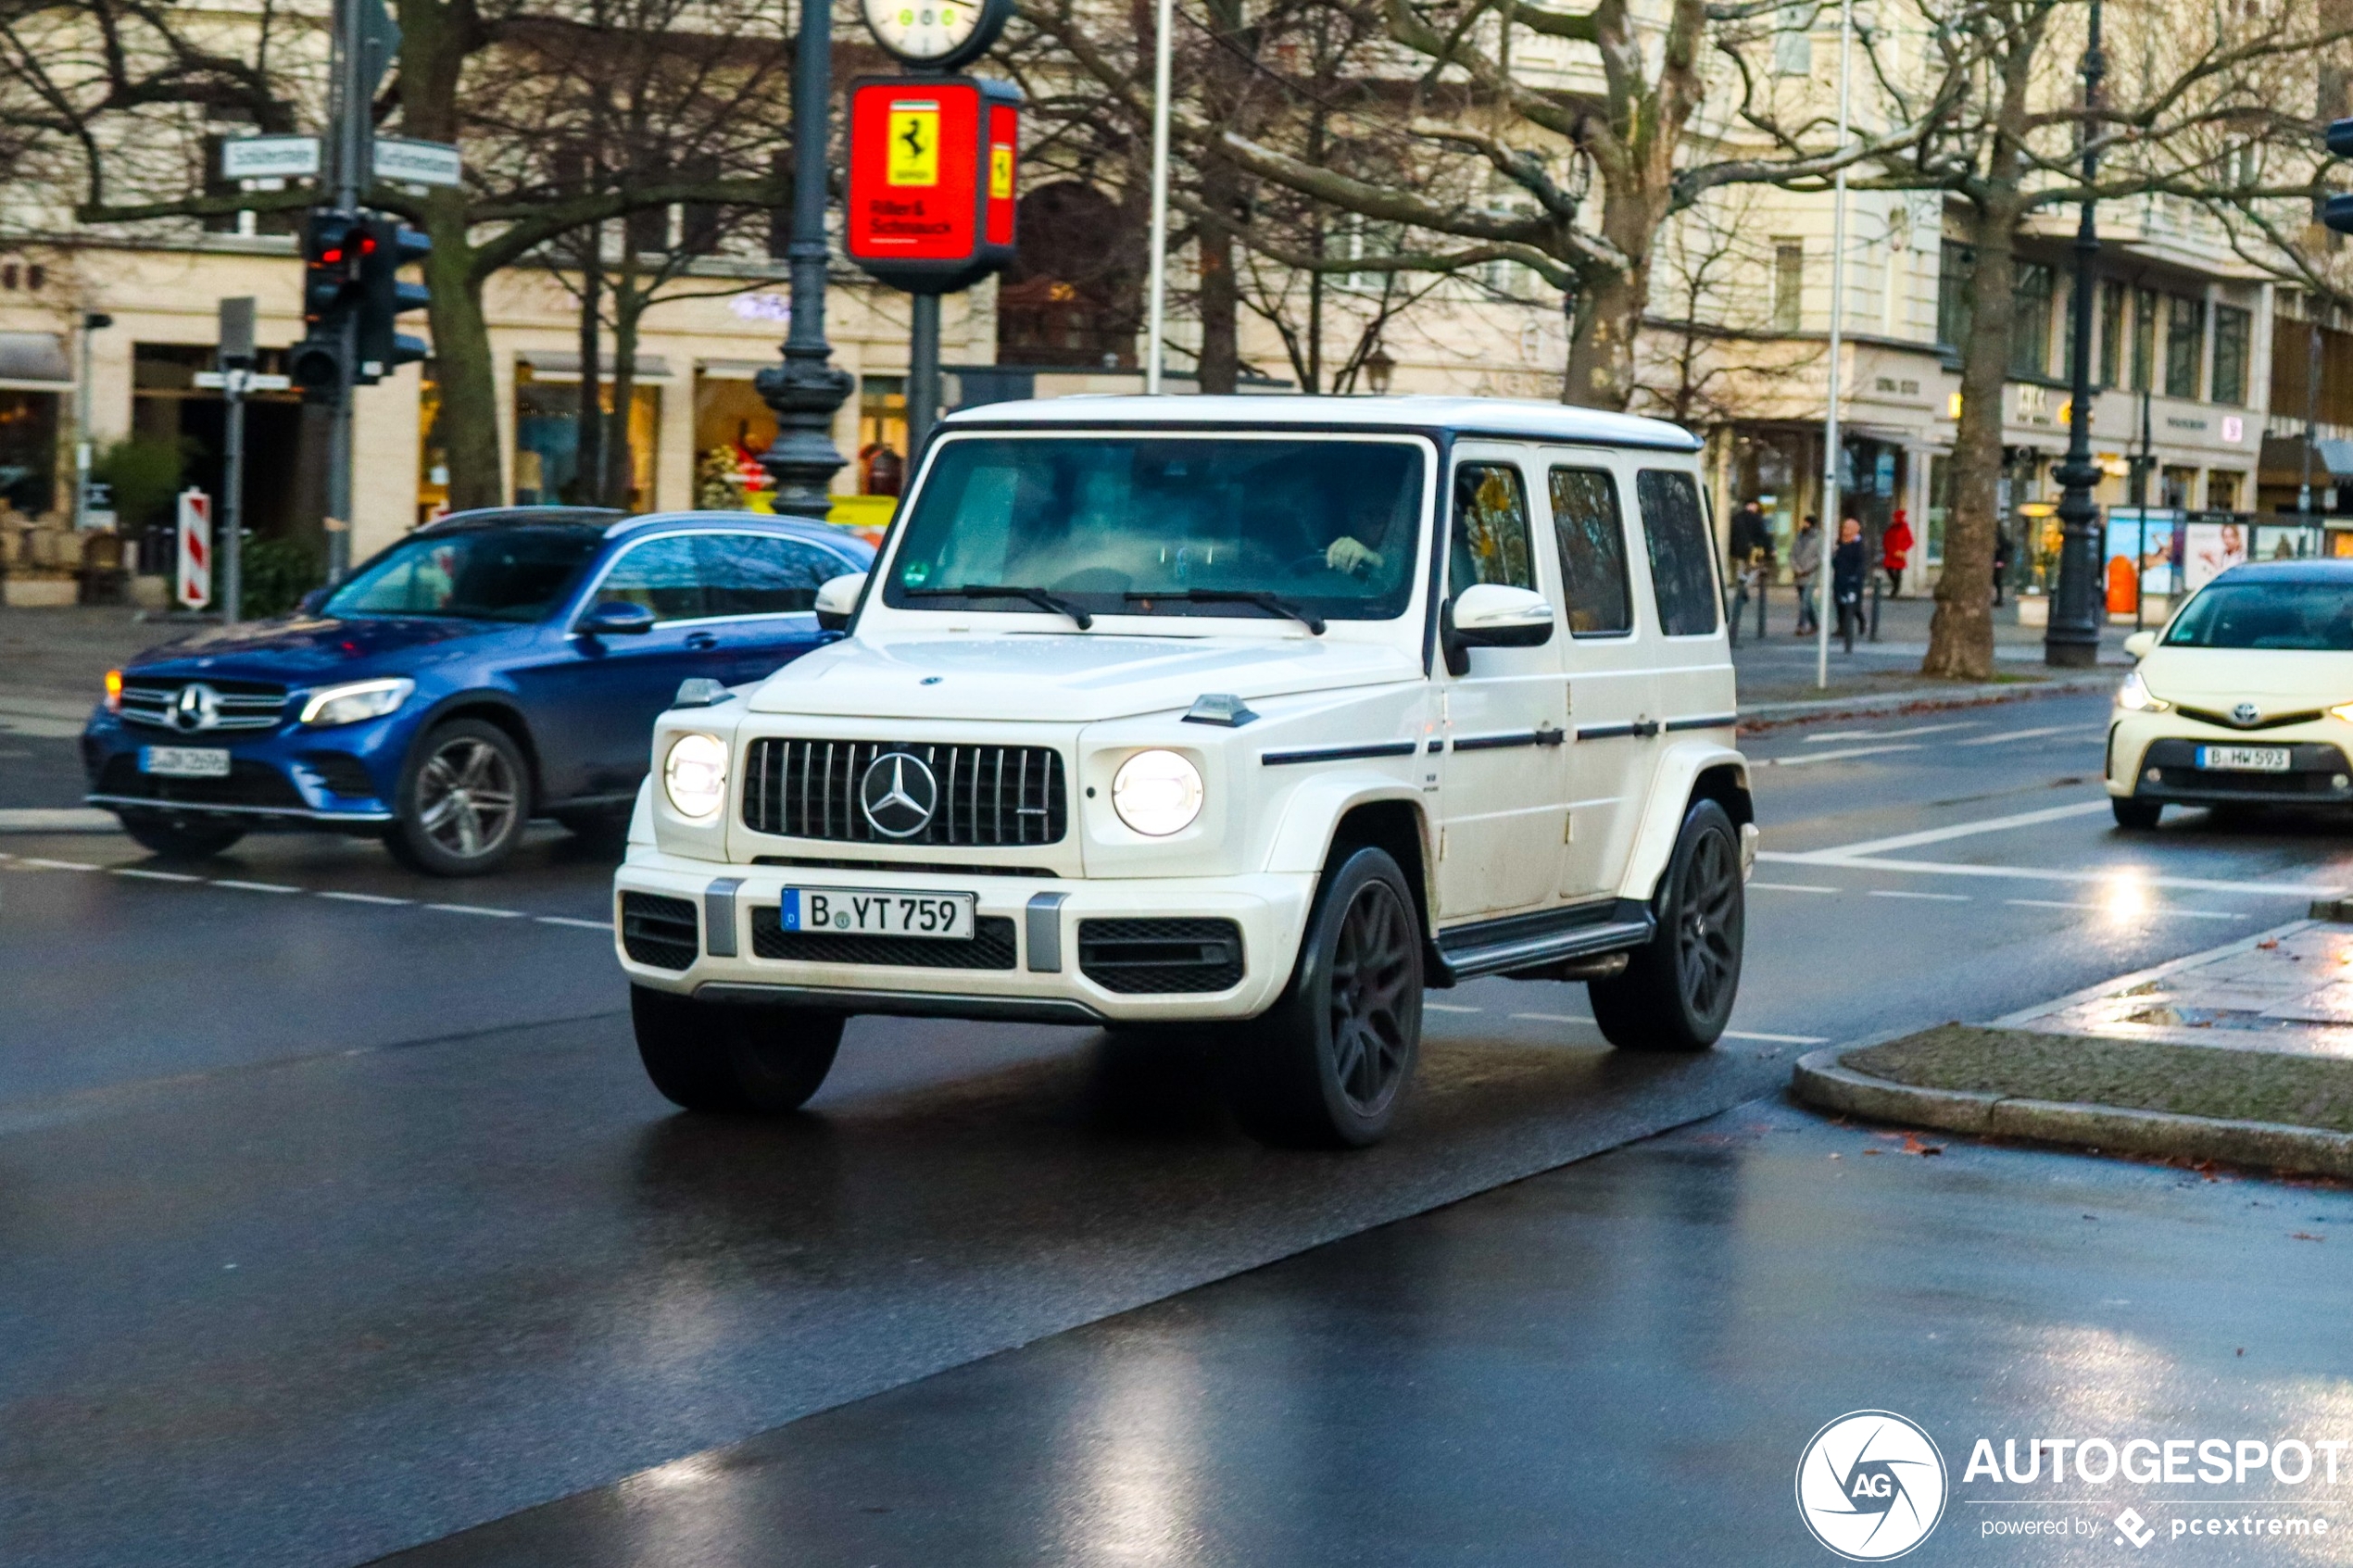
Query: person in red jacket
{"x":1895,"y":546}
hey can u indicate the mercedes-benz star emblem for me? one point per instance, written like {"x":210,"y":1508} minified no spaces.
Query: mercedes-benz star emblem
{"x":2247,"y":714}
{"x":197,"y":706}
{"x":898,"y":795}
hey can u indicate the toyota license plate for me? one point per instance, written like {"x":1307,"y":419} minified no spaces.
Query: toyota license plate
{"x":2244,"y":758}
{"x":184,"y":761}
{"x":872,"y":912}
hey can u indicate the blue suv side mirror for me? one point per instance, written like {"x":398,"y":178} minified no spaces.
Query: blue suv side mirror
{"x":614,"y":618}
{"x":313,"y":601}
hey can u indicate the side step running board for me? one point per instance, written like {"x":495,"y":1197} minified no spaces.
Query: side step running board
{"x":1458,"y":961}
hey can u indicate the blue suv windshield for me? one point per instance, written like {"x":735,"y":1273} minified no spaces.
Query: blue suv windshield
{"x":484,"y":575}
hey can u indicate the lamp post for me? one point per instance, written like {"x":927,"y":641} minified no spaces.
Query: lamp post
{"x":2072,"y":636}
{"x":806,"y":388}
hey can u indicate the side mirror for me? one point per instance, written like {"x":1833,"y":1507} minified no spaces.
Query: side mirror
{"x":2139,"y":644}
{"x":312,"y":602}
{"x":614,"y":618}
{"x":837,"y":600}
{"x":1490,"y":615}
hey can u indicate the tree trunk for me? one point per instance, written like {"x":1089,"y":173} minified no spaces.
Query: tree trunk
{"x":1220,"y":291}
{"x":463,"y":370}
{"x":1960,"y":636}
{"x":588,"y":475}
{"x":628,"y":309}
{"x":1605,"y":319}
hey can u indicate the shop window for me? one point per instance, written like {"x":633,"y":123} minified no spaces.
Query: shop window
{"x":2223,"y":490}
{"x":733,"y":427}
{"x":2184,"y":337}
{"x":1675,"y":532}
{"x":433,"y":450}
{"x":2031,"y":326}
{"x":1940,"y":509}
{"x":882,"y":435}
{"x":548,"y":442}
{"x":29,"y":451}
{"x":2231,"y":332}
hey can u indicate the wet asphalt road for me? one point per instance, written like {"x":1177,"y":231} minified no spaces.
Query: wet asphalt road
{"x":340,"y":1218}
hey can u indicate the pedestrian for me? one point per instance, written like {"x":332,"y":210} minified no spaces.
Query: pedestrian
{"x":1751,"y":549}
{"x":2001,"y":561}
{"x":1848,"y":568}
{"x":1805,"y":563}
{"x":1895,"y":548}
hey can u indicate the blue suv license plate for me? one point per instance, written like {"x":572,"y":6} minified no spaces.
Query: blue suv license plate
{"x":184,"y":761}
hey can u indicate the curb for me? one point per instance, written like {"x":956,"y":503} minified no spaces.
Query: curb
{"x":1821,"y":1080}
{"x":1755,"y":717}
{"x":67,"y":819}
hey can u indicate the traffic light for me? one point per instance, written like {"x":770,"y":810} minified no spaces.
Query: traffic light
{"x":333,"y":243}
{"x":2337,"y":211}
{"x":385,"y":248}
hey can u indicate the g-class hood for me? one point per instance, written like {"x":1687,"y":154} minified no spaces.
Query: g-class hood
{"x":1076,"y":678}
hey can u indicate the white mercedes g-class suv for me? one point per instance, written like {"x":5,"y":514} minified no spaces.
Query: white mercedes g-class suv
{"x":1255,"y":715}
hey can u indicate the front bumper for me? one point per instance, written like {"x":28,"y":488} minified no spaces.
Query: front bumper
{"x":2154,"y":756}
{"x":1038,"y":956}
{"x":333,"y":778}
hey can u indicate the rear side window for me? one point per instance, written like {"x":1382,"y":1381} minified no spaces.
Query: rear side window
{"x":663,"y":574}
{"x":1593,"y":545}
{"x":1491,"y":529}
{"x":1676,"y":535}
{"x":762,"y":573}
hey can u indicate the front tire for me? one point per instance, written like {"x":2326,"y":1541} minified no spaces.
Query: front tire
{"x":464,"y":800}
{"x":1326,"y":1066}
{"x":179,"y":838}
{"x":2135,"y":816}
{"x":1677,"y":991}
{"x":720,"y":1058}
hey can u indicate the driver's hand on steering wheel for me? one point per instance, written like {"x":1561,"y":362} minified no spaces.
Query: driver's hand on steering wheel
{"x":1347,"y":554}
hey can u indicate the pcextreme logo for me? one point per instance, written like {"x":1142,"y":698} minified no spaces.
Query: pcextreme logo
{"x":1872,"y":1485}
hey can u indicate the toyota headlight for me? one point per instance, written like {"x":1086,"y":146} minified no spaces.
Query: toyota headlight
{"x":694,"y":776}
{"x":2133,"y":696}
{"x":351,"y":703}
{"x":2343,"y":710}
{"x":1156,"y":793}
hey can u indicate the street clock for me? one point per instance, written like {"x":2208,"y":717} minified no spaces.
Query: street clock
{"x":936,"y":34}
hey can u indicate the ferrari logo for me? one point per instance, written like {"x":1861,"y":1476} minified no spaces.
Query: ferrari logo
{"x":914,"y":144}
{"x":1001,"y":172}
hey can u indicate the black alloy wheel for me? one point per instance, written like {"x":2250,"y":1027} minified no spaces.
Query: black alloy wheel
{"x":1677,"y":991}
{"x":463,"y":802}
{"x":1327,"y":1065}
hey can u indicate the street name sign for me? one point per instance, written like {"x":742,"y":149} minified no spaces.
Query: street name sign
{"x":417,"y":163}
{"x":269,"y":158}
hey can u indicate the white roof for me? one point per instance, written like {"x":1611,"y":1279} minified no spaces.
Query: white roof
{"x":1522,"y":417}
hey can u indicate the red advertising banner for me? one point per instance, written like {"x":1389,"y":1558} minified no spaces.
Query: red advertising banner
{"x":931,"y":196}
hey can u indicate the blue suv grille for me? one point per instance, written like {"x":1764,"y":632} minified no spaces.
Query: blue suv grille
{"x":236,"y":704}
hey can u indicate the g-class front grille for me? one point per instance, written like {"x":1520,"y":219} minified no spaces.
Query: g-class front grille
{"x":155,"y":702}
{"x":980,"y":796}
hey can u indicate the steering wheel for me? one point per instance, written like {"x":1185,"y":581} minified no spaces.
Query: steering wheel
{"x":1313,"y":560}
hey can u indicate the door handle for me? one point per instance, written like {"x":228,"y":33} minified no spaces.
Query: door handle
{"x":1550,"y":736}
{"x":701,"y":640}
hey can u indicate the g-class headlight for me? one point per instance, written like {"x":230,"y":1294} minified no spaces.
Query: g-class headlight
{"x":2133,"y":696}
{"x":1156,"y":793}
{"x":694,"y":776}
{"x":360,"y":699}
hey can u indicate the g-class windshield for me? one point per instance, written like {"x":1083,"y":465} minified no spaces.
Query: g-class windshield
{"x":1096,"y":524}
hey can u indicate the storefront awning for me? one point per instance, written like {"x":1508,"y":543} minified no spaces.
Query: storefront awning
{"x":34,"y":356}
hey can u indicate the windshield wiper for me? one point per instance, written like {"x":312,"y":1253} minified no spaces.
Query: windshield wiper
{"x":1038,"y":597}
{"x":1259,"y":596}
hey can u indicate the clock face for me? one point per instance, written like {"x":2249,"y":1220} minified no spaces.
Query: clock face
{"x":927,"y":31}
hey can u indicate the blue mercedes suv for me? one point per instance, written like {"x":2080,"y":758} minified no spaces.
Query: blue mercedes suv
{"x":492,"y":667}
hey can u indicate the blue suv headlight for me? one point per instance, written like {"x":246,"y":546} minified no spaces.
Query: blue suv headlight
{"x":355,"y":701}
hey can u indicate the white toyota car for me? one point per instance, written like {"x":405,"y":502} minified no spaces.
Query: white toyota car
{"x":1257,"y":715}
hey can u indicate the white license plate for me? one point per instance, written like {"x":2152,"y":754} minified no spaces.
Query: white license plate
{"x":184,"y":761}
{"x":2245,"y":758}
{"x":874,"y":913}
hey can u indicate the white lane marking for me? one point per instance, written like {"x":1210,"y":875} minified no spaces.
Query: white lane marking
{"x":1958,"y":830}
{"x":146,"y":875}
{"x":476,"y":910}
{"x":603,"y":926}
{"x":56,"y":865}
{"x":2134,"y":874}
{"x":1777,"y":1040}
{"x":1552,"y":1018}
{"x":2033,"y":735}
{"x":253,"y":887}
{"x":2124,"y":912}
{"x":1814,"y":757}
{"x":1904,"y":893}
{"x":1892,"y":734}
{"x":1445,"y":1007}
{"x":362,"y":898}
{"x":1794,"y":887}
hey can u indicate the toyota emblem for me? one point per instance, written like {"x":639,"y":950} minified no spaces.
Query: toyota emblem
{"x":898,"y":795}
{"x":2247,"y":714}
{"x":197,"y":706}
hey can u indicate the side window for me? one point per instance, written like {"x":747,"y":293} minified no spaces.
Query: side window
{"x":763,"y":574}
{"x":1676,"y":535}
{"x":1491,"y":529}
{"x":663,"y":575}
{"x":1593,"y":545}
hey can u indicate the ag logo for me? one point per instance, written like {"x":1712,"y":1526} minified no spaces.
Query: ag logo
{"x":1870,"y":1485}
{"x":899,"y":794}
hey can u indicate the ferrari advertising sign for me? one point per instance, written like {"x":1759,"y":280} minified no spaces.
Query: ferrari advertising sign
{"x":931,"y":178}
